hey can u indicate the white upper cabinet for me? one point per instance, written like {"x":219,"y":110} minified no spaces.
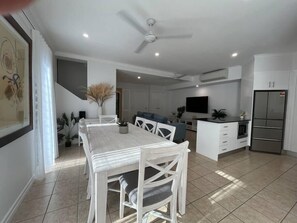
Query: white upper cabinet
{"x":271,"y":80}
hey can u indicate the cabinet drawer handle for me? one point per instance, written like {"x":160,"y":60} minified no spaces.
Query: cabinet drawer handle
{"x":224,"y":149}
{"x":243,"y":141}
{"x":269,"y":83}
{"x":225,"y":134}
{"x":226,"y":126}
{"x":225,"y":141}
{"x":273,"y":84}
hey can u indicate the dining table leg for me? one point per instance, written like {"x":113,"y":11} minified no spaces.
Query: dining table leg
{"x":100,"y":197}
{"x":182,"y":192}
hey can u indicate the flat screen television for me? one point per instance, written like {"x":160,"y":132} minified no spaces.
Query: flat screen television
{"x":197,"y":104}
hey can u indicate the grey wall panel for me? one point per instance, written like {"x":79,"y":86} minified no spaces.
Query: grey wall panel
{"x":72,"y":75}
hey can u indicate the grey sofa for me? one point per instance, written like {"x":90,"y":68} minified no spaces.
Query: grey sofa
{"x":180,"y":131}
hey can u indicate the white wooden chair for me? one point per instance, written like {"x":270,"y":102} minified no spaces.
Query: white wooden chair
{"x":87,"y":122}
{"x":165,"y":131}
{"x":105,"y":119}
{"x":139,"y":121}
{"x":91,"y":183}
{"x":154,"y":186}
{"x":149,"y":125}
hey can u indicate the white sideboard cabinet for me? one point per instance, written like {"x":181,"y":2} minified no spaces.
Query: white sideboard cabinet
{"x":218,"y":138}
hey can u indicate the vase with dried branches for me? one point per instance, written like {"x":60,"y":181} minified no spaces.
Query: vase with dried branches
{"x":99,"y":93}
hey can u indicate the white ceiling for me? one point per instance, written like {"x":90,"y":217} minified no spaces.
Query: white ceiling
{"x":219,"y":28}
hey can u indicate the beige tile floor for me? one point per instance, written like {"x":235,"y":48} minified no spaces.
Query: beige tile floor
{"x":241,"y":187}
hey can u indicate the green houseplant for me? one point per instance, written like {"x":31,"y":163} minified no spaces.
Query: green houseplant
{"x":123,"y":127}
{"x":180,"y":111}
{"x":219,"y":113}
{"x":67,"y":125}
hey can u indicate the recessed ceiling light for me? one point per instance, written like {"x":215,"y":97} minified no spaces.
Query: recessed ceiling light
{"x":86,"y":35}
{"x":138,"y":77}
{"x":234,"y":54}
{"x":197,"y":85}
{"x":157,"y":54}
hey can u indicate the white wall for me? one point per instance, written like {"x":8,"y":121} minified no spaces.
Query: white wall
{"x":247,"y":82}
{"x":98,"y":71}
{"x":16,"y":161}
{"x":220,"y":96}
{"x":133,"y":89}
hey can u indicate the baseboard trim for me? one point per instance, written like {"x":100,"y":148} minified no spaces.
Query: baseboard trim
{"x":8,"y":217}
{"x":290,"y":153}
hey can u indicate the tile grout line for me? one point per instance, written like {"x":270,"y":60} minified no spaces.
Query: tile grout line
{"x":241,"y":187}
{"x":264,"y":198}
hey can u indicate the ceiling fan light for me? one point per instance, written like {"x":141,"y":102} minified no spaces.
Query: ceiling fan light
{"x":150,"y":37}
{"x":235,"y":54}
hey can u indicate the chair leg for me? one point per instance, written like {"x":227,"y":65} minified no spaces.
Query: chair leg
{"x":122,"y":200}
{"x":173,"y":213}
{"x":86,"y":168}
{"x":91,"y":210}
{"x":89,"y":189}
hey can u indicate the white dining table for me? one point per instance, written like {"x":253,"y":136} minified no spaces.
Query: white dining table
{"x":114,"y":153}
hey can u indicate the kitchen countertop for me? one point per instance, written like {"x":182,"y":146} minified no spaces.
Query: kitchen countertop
{"x":223,"y":120}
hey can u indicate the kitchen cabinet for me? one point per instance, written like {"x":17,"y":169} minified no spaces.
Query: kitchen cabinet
{"x":218,"y":138}
{"x":271,"y":80}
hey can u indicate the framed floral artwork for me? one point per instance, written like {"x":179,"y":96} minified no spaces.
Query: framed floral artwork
{"x":15,"y":81}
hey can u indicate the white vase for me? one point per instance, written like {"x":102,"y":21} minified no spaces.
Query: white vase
{"x":99,"y":111}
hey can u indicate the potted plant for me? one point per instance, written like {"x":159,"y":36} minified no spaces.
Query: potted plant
{"x":219,"y":113}
{"x":67,"y":125}
{"x":123,"y":127}
{"x":99,"y":93}
{"x":180,"y":111}
{"x":242,"y":115}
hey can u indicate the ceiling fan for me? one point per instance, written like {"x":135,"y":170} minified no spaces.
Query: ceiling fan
{"x":149,"y":35}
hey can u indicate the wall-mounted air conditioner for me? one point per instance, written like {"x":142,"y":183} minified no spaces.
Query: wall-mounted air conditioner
{"x":214,"y":75}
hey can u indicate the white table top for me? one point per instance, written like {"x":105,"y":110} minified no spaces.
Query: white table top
{"x":110,"y":149}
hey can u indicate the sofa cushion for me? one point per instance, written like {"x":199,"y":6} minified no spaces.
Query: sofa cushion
{"x":159,"y":118}
{"x":148,"y":115}
{"x":139,"y":114}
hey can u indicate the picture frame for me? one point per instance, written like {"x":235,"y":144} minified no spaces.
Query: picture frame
{"x":16,"y":117}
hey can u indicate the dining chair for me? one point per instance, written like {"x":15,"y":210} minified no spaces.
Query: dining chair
{"x":139,"y":121}
{"x":149,"y":125}
{"x":105,"y":119}
{"x":154,"y":186}
{"x":87,"y":122}
{"x":165,"y":131}
{"x":91,"y":182}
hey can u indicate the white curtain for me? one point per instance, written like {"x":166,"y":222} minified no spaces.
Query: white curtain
{"x":45,"y":127}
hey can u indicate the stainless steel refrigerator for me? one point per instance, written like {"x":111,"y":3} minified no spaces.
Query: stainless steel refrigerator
{"x":268,"y":121}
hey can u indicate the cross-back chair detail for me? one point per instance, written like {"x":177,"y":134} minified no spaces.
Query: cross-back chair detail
{"x":165,"y":131}
{"x":149,"y":125}
{"x":156,"y":185}
{"x":139,"y":121}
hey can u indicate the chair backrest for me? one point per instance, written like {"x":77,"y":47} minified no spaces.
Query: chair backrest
{"x":104,"y":119}
{"x":84,"y":136}
{"x":165,"y":131}
{"x":139,"y":121}
{"x":168,"y":175}
{"x":149,"y":125}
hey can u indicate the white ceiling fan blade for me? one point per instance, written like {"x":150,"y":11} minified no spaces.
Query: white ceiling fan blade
{"x":184,"y":36}
{"x":129,"y":19}
{"x":141,"y":46}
